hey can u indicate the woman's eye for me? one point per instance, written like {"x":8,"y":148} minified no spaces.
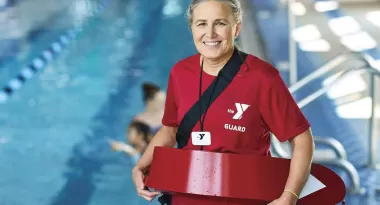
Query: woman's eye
{"x":201,"y":24}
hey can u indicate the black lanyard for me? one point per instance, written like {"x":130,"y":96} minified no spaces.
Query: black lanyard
{"x":202,"y":118}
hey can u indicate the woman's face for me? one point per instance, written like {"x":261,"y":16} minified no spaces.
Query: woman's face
{"x":214,"y":29}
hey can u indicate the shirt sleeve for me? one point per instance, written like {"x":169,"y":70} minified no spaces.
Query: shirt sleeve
{"x":171,"y":110}
{"x":279,"y":110}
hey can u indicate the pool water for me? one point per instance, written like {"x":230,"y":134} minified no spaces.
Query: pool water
{"x":53,"y":141}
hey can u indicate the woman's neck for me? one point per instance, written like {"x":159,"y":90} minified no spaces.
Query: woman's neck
{"x":213,"y":66}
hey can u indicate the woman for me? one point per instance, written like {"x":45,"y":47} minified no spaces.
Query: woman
{"x":138,"y":137}
{"x":154,"y":99}
{"x":240,"y":120}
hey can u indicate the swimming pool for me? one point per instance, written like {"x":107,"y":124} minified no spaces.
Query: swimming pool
{"x":53,"y":141}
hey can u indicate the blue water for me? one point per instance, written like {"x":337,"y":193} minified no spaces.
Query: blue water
{"x":54,"y":130}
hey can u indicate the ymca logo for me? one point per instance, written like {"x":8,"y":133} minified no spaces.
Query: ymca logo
{"x":240,"y":108}
{"x":201,"y":138}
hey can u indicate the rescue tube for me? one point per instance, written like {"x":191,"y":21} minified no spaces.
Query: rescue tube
{"x":257,"y":178}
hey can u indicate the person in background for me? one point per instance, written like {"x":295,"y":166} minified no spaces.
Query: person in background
{"x":138,"y":137}
{"x":144,"y":124}
{"x":154,"y":99}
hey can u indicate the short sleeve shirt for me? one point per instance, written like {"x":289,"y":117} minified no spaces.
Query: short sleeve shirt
{"x":240,"y":120}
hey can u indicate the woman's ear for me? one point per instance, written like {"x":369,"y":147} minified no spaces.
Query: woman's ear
{"x":237,"y":31}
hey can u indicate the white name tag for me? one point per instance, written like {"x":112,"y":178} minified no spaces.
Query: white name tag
{"x":201,"y":138}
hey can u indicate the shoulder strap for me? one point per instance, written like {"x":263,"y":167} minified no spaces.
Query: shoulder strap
{"x":224,"y":78}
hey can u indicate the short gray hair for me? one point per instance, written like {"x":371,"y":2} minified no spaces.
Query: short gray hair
{"x":233,"y":4}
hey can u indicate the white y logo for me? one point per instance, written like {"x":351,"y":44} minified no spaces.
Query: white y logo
{"x":240,"y":110}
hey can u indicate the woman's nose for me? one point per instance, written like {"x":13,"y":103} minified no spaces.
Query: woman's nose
{"x":211,"y":32}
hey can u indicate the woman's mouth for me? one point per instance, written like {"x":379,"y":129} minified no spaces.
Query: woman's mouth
{"x":212,"y":43}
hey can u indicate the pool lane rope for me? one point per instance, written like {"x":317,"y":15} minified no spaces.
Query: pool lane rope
{"x":46,"y":56}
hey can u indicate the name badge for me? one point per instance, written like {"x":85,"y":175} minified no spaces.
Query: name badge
{"x":201,"y":138}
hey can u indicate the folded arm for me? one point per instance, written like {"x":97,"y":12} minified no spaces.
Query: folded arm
{"x":303,"y":149}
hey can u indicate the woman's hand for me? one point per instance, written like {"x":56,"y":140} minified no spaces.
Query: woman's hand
{"x":285,"y":199}
{"x":138,"y":180}
{"x":165,"y":137}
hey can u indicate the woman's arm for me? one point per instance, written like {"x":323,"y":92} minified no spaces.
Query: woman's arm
{"x":303,"y":149}
{"x":165,"y":137}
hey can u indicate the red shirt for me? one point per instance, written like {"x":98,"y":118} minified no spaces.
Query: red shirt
{"x":258,"y":87}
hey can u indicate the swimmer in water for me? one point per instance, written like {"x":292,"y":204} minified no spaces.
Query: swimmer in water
{"x":154,"y":99}
{"x":138,"y":137}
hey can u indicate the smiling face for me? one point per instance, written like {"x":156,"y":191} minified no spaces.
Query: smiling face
{"x":214,"y":29}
